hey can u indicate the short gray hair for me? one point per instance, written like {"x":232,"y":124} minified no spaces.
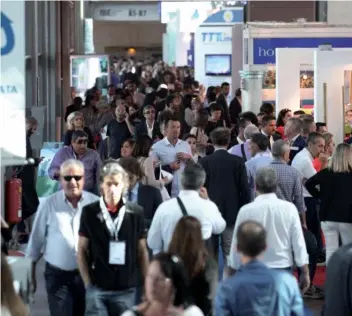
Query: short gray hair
{"x":249,"y":130}
{"x":279,"y":148}
{"x":193,"y":177}
{"x":266,"y":180}
{"x":113,"y":168}
{"x":71,"y":163}
{"x":296,"y":124}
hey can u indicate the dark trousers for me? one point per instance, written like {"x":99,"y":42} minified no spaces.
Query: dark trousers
{"x":313,"y":251}
{"x":313,"y":221}
{"x":65,"y":290}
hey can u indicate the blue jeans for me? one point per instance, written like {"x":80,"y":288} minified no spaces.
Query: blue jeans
{"x":108,"y":303}
{"x":65,"y":292}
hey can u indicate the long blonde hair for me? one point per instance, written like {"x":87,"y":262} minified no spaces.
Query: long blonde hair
{"x":70,"y":119}
{"x":9,"y":298}
{"x":341,"y":159}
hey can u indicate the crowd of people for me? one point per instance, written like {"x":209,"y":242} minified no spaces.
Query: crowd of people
{"x":163,"y":180}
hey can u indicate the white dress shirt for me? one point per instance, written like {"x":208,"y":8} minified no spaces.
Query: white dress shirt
{"x":284,"y":232}
{"x":150,"y":129}
{"x":169,"y":213}
{"x":56,"y":228}
{"x":165,"y":152}
{"x":303,"y":162}
{"x":271,"y":139}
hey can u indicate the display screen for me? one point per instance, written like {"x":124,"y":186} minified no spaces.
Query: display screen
{"x":218,"y":65}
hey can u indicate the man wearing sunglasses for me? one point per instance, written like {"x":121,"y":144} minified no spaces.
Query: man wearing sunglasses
{"x":79,"y":150}
{"x":55,"y":229}
{"x":149,"y":126}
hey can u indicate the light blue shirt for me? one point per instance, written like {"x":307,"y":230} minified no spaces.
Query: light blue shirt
{"x":260,"y":160}
{"x":132,"y":195}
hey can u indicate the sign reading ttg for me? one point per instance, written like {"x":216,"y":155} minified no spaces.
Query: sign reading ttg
{"x":216,"y":37}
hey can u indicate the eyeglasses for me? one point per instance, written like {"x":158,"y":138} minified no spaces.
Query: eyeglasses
{"x":149,"y":112}
{"x":82,"y":141}
{"x":69,"y":178}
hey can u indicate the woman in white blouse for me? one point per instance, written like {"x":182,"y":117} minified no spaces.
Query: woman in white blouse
{"x":141,"y":151}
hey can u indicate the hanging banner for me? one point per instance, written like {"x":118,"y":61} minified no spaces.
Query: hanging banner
{"x":12,"y":88}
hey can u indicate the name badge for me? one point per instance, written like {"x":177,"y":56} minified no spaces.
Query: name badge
{"x":117,"y":252}
{"x":294,"y":148}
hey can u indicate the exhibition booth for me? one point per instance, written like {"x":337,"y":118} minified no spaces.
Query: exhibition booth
{"x":213,"y":48}
{"x":265,"y":50}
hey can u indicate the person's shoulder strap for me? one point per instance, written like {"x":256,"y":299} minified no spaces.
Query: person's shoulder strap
{"x":182,"y":206}
{"x":243,"y":153}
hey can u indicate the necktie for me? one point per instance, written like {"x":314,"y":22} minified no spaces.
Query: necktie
{"x":269,"y":145}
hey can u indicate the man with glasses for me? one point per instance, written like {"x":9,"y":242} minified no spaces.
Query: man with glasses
{"x":149,"y":126}
{"x":55,"y":229}
{"x":79,"y":151}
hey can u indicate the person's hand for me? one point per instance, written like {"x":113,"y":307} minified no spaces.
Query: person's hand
{"x":3,"y":223}
{"x":203,"y":193}
{"x":304,"y":282}
{"x":175,"y":165}
{"x":324,"y":159}
{"x":183,"y":156}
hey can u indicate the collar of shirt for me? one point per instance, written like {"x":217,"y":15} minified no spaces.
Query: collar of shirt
{"x":266,"y":197}
{"x":188,"y":193}
{"x":294,"y":139}
{"x":150,"y":127}
{"x":262,"y":154}
{"x":307,"y":153}
{"x":220,"y":148}
{"x":264,"y":133}
{"x":74,"y":154}
{"x":278,"y":162}
{"x":240,"y":141}
{"x":167,"y":143}
{"x":69,"y":203}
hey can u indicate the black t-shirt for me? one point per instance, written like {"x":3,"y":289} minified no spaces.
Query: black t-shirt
{"x":103,"y":275}
{"x":118,"y":133}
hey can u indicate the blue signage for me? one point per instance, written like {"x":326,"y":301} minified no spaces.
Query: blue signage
{"x":226,"y":16}
{"x":216,"y":37}
{"x":9,"y":35}
{"x":264,"y":48}
{"x":190,"y":52}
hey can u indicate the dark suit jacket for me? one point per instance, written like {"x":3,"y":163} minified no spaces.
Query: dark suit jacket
{"x":297,"y":146}
{"x":149,"y":198}
{"x":142,"y":130}
{"x":30,"y":199}
{"x":235,"y":109}
{"x":221,"y":100}
{"x":227,"y":183}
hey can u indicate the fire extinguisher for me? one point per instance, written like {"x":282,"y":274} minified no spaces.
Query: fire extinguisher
{"x":13,"y":200}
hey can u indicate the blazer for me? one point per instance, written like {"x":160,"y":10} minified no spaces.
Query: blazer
{"x":334,"y":193}
{"x":296,"y":147}
{"x":149,"y":198}
{"x":227,"y":183}
{"x":221,"y":100}
{"x":235,"y":109}
{"x":142,"y":130}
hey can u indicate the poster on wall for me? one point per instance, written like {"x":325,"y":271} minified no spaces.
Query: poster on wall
{"x":88,"y":71}
{"x":12,"y":88}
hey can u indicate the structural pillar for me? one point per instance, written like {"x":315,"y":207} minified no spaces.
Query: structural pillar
{"x":252,"y":85}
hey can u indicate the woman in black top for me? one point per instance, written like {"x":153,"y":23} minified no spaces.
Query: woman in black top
{"x":332,"y":186}
{"x":75,"y":121}
{"x":187,"y":243}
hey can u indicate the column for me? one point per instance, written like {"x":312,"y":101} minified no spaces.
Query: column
{"x":252,"y":84}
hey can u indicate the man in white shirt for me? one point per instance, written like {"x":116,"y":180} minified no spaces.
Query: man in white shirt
{"x":55,"y":229}
{"x":193,"y":201}
{"x":173,"y":153}
{"x":303,"y":162}
{"x":286,"y":245}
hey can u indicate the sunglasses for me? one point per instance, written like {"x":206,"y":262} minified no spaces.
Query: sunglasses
{"x":82,"y":142}
{"x":149,"y":112}
{"x":69,"y":178}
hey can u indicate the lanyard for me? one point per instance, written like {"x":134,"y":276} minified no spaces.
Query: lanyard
{"x":113,"y":226}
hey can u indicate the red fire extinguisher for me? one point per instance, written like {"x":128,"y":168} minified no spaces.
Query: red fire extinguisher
{"x":13,"y":200}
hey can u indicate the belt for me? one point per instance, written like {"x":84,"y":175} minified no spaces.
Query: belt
{"x":48,"y":265}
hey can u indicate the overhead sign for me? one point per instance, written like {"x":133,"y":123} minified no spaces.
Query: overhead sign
{"x":12,"y":88}
{"x":141,"y":11}
{"x":216,"y":37}
{"x":226,"y":16}
{"x":264,"y":48}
